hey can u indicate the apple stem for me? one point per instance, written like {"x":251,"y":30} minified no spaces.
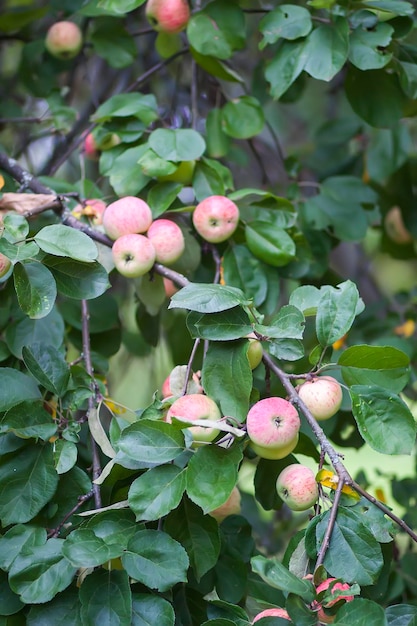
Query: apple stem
{"x":189,"y":366}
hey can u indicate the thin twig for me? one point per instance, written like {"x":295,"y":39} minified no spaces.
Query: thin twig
{"x":189,"y":366}
{"x":330,"y":525}
{"x":81,"y":500}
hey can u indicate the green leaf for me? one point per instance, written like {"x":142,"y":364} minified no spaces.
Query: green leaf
{"x":336,"y":312}
{"x":151,"y":609}
{"x":135,"y":104}
{"x":28,"y":419}
{"x":16,"y":226}
{"x":125,"y":174}
{"x":399,"y":7}
{"x":40,"y":572}
{"x":367,"y":47}
{"x":277,"y":575}
{"x":157,"y":492}
{"x":353,"y":554}
{"x":217,"y":68}
{"x":161,"y":196}
{"x":211,"y":475}
{"x":25,"y":331}
{"x":61,"y":240}
{"x":381,"y":526}
{"x":9,"y":601}
{"x":286,"y":349}
{"x":113,"y":42}
{"x":48,"y":366}
{"x":83,"y":548}
{"x":27,"y":482}
{"x":288,"y":323}
{"x":207,"y":181}
{"x":156,"y":560}
{"x":21,"y":252}
{"x":361,"y":612}
{"x":375,"y":365}
{"x":35,"y":288}
{"x":82,"y":281}
{"x":63,"y":610}
{"x":270,"y":244}
{"x":264,"y":481}
{"x":15,"y":388}
{"x":286,"y":66}
{"x":227,"y":377}
{"x":242,"y":117}
{"x":198,"y":533}
{"x":149,"y":443}
{"x":243,"y":270}
{"x":180,"y":144}
{"x":387,"y":151}
{"x":65,"y":455}
{"x":106,"y":598}
{"x":327,"y":49}
{"x":16,"y":540}
{"x":224,"y":326}
{"x":207,"y":298}
{"x":205,"y":37}
{"x":287,"y":21}
{"x":384,"y":420}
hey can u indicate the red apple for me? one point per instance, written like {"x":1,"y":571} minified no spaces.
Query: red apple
{"x":320,"y":605}
{"x":230,"y":507}
{"x":91,"y":150}
{"x":278,"y":612}
{"x":167,"y":239}
{"x":170,"y":287}
{"x":64,"y":40}
{"x":273,"y":425}
{"x":133,"y":255}
{"x":297,"y":487}
{"x":169,"y":16}
{"x":195,"y":406}
{"x":216,"y":218}
{"x":5,"y":265}
{"x":129,"y":215}
{"x":322,"y":395}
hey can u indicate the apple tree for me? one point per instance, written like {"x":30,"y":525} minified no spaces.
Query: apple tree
{"x":270,"y":149}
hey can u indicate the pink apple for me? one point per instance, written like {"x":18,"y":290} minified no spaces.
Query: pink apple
{"x":322,"y":395}
{"x":129,"y":215}
{"x":195,"y":406}
{"x":320,"y":605}
{"x":92,"y":208}
{"x":216,"y":218}
{"x":167,"y":239}
{"x":133,"y":255}
{"x":297,"y":487}
{"x":170,"y":287}
{"x":273,"y":425}
{"x":169,"y":16}
{"x":230,"y":507}
{"x":5,"y":265}
{"x":64,"y":40}
{"x":174,"y":383}
{"x":91,"y":150}
{"x":278,"y":612}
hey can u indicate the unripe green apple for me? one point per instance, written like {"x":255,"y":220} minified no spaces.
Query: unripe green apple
{"x":322,"y":395}
{"x":133,"y":255}
{"x":230,"y":507}
{"x":170,"y":16}
{"x":254,"y":353}
{"x":216,"y":218}
{"x":319,"y":605}
{"x":275,"y":612}
{"x":64,"y":40}
{"x":167,"y":239}
{"x":195,"y":406}
{"x":273,"y":426}
{"x":129,"y":215}
{"x":183,"y":174}
{"x":297,"y":487}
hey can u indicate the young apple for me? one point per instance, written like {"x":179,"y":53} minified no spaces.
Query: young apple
{"x":91,"y":150}
{"x":169,"y":16}
{"x":297,"y":487}
{"x":276,"y":612}
{"x":322,"y":395}
{"x":216,"y":218}
{"x":129,"y":215}
{"x":170,"y":287}
{"x":273,"y":425}
{"x":319,"y":605}
{"x":133,"y":255}
{"x":395,"y":227}
{"x":254,"y":353}
{"x":183,"y":174}
{"x":167,"y":239}
{"x":230,"y":507}
{"x":64,"y":40}
{"x":195,"y":406}
{"x":5,"y":265}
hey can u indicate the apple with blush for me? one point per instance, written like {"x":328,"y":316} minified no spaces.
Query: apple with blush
{"x":133,"y":255}
{"x":274,"y":612}
{"x":169,"y":16}
{"x":322,"y":395}
{"x":128,"y":215}
{"x":297,"y":487}
{"x":232,"y":506}
{"x":64,"y":40}
{"x":167,"y":239}
{"x":170,"y":287}
{"x":273,"y":426}
{"x":328,"y":600}
{"x":5,"y":265}
{"x":395,"y":227}
{"x":195,"y":406}
{"x":216,"y":218}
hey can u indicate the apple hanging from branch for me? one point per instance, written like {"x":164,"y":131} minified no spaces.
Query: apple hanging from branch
{"x":273,"y":425}
{"x":64,"y":40}
{"x":297,"y":487}
{"x":169,"y":16}
{"x":322,"y":395}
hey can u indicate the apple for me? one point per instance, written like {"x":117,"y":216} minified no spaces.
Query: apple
{"x":297,"y":487}
{"x":64,"y":40}
{"x":167,"y":239}
{"x":230,"y":507}
{"x":170,"y":287}
{"x":169,"y":16}
{"x":195,"y":406}
{"x":273,"y":425}
{"x":216,"y":218}
{"x":319,"y":605}
{"x":91,"y":150}
{"x":5,"y":265}
{"x":183,"y":174}
{"x":254,"y":353}
{"x":322,"y":395}
{"x":129,"y":215}
{"x":174,"y":383}
{"x":277,"y":612}
{"x":92,"y":208}
{"x":133,"y":255}
{"x":395,"y":227}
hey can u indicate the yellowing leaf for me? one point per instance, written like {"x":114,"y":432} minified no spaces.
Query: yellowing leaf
{"x":406,"y":330}
{"x":327,"y":478}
